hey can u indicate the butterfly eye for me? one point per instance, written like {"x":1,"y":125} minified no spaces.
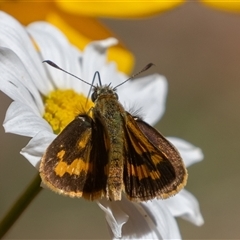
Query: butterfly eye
{"x":94,"y":96}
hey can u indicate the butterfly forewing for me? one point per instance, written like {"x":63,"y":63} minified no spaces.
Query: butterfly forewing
{"x":70,"y":166}
{"x":153,"y":167}
{"x":169,"y":151}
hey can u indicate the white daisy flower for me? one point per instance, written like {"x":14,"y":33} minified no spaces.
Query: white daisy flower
{"x":45,"y":100}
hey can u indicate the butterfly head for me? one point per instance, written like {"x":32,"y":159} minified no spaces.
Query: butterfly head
{"x":102,"y":92}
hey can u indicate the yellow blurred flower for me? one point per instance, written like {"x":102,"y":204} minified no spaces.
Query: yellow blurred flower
{"x":231,"y":6}
{"x":77,"y":19}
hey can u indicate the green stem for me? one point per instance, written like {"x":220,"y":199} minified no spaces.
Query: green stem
{"x":20,"y":205}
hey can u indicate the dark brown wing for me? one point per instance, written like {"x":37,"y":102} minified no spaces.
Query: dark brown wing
{"x":74,"y":162}
{"x":153,"y":167}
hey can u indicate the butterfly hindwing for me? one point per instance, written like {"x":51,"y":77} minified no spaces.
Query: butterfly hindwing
{"x":150,"y":168}
{"x":71,"y":165}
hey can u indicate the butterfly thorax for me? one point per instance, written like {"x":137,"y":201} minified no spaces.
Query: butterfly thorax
{"x":110,"y":114}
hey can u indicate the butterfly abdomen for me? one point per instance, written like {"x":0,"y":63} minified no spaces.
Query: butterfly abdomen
{"x":112,"y":121}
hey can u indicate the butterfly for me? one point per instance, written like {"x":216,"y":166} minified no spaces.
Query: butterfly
{"x":109,"y":153}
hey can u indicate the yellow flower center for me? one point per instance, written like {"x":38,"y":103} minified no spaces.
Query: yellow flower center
{"x":62,"y":106}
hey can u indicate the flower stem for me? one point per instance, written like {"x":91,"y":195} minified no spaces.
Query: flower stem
{"x":20,"y":205}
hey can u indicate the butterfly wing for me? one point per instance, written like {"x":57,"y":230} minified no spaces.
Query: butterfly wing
{"x":74,"y":162}
{"x":153,"y":167}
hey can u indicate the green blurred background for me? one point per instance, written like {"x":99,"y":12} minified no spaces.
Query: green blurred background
{"x":198,"y":50}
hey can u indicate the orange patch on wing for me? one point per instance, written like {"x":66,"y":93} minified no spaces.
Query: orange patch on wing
{"x":142,"y":172}
{"x":76,"y":167}
{"x":84,"y":140}
{"x":61,"y":154}
{"x":156,"y":158}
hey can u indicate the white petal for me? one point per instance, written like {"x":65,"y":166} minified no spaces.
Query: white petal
{"x":14,"y":36}
{"x":185,"y":205}
{"x":21,"y":120}
{"x":110,"y":75}
{"x":146,"y":220}
{"x":94,"y":58}
{"x":147,"y":94}
{"x":165,"y":222}
{"x":36,"y":147}
{"x":16,"y":82}
{"x":115,"y":217}
{"x":54,"y":46}
{"x":190,"y":154}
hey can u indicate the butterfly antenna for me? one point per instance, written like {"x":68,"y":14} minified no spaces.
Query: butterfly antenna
{"x":96,"y":74}
{"x":134,"y":75}
{"x":57,"y":67}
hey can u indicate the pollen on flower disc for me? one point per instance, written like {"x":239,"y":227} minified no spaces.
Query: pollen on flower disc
{"x":62,"y":106}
